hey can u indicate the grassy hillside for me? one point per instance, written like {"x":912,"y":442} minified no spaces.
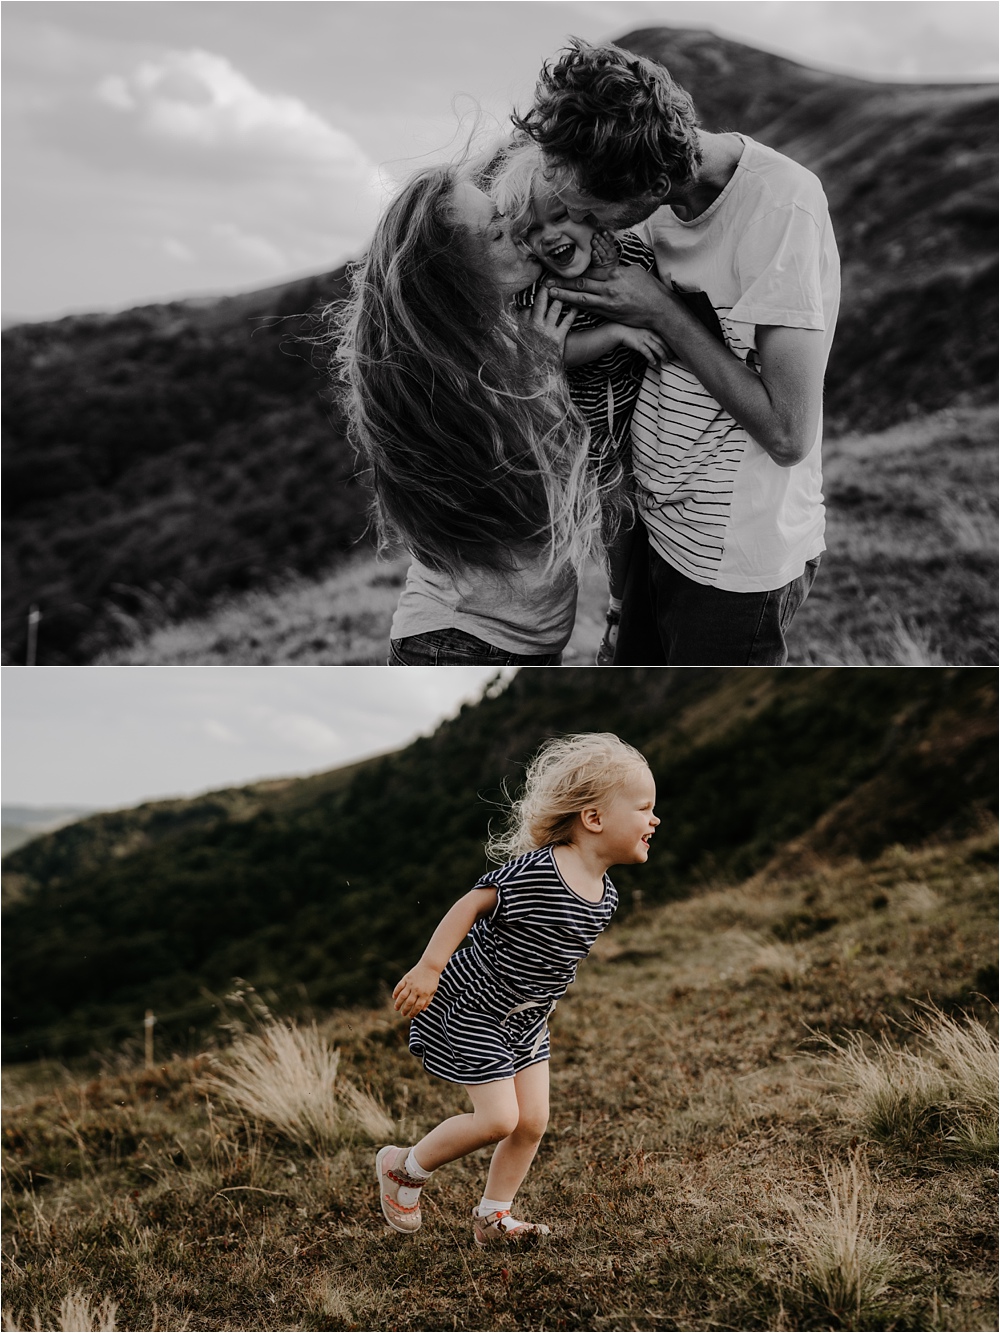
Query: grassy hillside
{"x":909,"y":576}
{"x":321,"y":890}
{"x":704,"y":1151}
{"x":163,"y":458}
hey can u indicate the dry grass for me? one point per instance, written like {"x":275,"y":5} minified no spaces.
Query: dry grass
{"x":845,"y":1262}
{"x":76,"y":1315}
{"x":694,"y":1148}
{"x":287,"y":1076}
{"x":938,"y":1101}
{"x":909,"y":576}
{"x":908,"y":580}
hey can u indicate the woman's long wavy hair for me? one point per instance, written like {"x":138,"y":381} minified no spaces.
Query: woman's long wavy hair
{"x":566,"y":775}
{"x":476,"y":453}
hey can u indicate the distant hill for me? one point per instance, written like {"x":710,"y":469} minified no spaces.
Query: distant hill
{"x":21,"y":823}
{"x":323,"y":890}
{"x":160,"y":458}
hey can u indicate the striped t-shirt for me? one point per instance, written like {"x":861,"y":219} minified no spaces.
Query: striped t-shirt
{"x":605,"y":390}
{"x":716,"y":505}
{"x":540,"y":928}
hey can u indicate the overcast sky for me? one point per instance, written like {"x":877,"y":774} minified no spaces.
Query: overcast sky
{"x":115,"y":736}
{"x":163,"y":149}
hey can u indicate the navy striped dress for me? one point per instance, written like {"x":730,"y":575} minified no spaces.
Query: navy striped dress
{"x":489,"y":1016}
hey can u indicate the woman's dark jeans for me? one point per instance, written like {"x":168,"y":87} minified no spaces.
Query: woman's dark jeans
{"x":453,"y":647}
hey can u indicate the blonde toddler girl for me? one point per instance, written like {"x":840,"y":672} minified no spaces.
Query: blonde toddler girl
{"x":480,"y":1014}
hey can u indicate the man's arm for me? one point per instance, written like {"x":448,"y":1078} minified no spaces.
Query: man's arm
{"x":779,"y":407}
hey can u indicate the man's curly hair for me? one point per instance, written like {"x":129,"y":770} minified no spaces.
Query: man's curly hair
{"x":616,"y":121}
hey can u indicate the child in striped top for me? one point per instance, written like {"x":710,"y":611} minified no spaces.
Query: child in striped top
{"x":480,"y":1014}
{"x":606,"y":362}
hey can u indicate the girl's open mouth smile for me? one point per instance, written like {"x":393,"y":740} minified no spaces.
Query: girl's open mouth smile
{"x":563,"y":254}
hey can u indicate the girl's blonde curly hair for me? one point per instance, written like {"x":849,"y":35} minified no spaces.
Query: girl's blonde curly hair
{"x":566,"y":775}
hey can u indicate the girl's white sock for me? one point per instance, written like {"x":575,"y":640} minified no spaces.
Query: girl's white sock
{"x":413,"y":1168}
{"x":494,"y":1206}
{"x":614,"y":603}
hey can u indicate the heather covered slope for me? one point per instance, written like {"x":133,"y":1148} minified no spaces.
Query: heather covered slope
{"x":172,"y":455}
{"x":322,"y":890}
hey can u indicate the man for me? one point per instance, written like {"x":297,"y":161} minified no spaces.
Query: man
{"x":726,"y":435}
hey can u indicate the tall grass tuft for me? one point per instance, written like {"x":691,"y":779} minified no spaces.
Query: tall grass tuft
{"x":76,"y":1315}
{"x":939,"y":1100}
{"x":845,"y":1263}
{"x":287,"y":1076}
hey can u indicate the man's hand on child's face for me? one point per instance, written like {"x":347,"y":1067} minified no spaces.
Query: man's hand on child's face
{"x":645,"y":341}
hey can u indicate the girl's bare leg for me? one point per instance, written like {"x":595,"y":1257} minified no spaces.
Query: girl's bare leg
{"x":495,"y":1117}
{"x":515,"y":1153}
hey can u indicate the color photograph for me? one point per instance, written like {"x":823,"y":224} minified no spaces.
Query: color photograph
{"x":535,"y":1000}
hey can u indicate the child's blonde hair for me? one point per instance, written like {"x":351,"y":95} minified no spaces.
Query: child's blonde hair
{"x":566,"y":775}
{"x":517,"y":174}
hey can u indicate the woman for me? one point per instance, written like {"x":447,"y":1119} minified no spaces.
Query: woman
{"x":478,"y":459}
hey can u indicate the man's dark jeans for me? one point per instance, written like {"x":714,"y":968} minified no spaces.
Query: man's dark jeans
{"x":669,"y":620}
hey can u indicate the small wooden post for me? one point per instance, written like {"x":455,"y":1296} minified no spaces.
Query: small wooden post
{"x":149,"y":1023}
{"x":34,"y":616}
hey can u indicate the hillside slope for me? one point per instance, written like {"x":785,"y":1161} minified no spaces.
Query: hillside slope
{"x":699,"y":1126}
{"x":326,"y":891}
{"x":162,"y":457}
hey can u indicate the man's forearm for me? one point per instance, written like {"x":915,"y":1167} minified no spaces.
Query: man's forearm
{"x":743,"y":393}
{"x":780,"y":407}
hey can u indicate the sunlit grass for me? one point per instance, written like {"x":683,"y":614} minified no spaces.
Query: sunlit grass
{"x":288,"y":1076}
{"x":845,"y":1261}
{"x":77,"y":1313}
{"x":939,"y":1100}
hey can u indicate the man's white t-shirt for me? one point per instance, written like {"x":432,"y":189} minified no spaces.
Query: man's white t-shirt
{"x":717,"y":507}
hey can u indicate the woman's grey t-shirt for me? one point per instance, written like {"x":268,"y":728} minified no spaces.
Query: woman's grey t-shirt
{"x":529,"y":611}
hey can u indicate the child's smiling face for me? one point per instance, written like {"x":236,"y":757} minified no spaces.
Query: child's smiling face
{"x":563,"y":246}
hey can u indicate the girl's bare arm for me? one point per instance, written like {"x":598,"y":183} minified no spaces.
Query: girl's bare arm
{"x":415,"y":990}
{"x":590,"y":344}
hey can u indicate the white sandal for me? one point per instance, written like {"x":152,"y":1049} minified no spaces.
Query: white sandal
{"x":500,"y":1227}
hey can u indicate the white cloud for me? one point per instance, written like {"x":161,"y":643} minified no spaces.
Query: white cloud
{"x":178,"y":250}
{"x":220,"y":732}
{"x":303,"y":732}
{"x":200,"y":101}
{"x":257,"y":250}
